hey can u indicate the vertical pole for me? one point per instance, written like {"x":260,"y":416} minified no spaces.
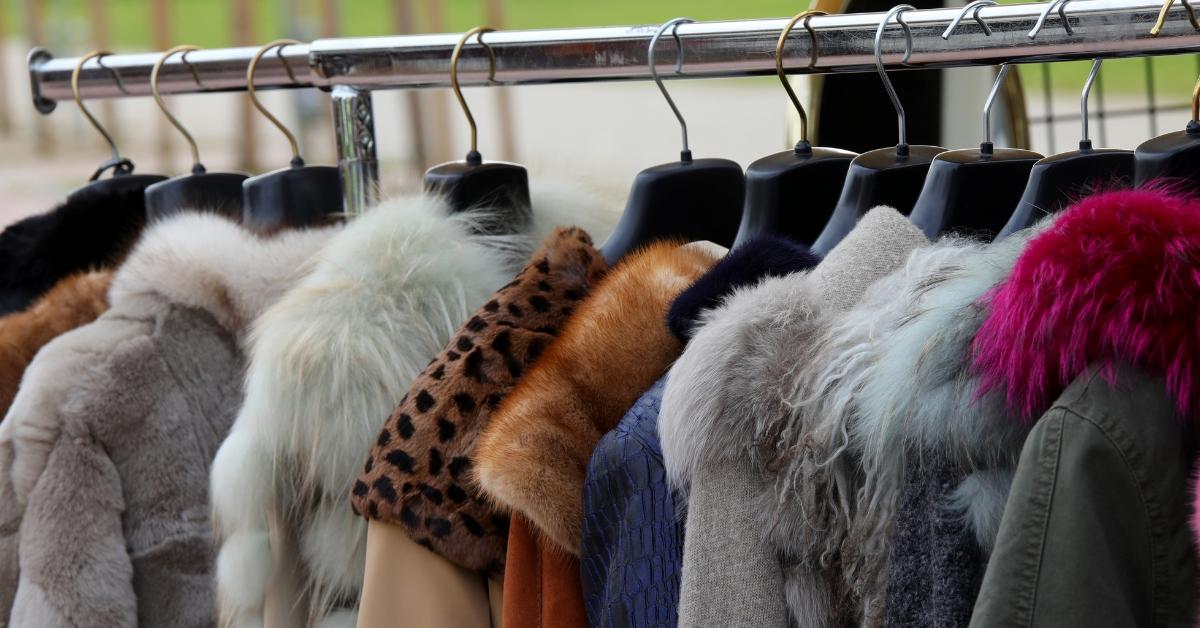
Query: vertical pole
{"x":43,"y":137}
{"x":354,"y":125}
{"x":504,"y":113}
{"x":5,"y":111}
{"x":402,"y":12}
{"x":243,"y":35}
{"x":160,"y":38}
{"x":435,"y":101}
{"x":98,"y":18}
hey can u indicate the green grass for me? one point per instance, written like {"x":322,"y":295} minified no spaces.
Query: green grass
{"x":206,"y":23}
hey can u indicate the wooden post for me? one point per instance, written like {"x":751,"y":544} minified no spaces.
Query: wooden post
{"x":436,"y":101}
{"x":160,"y":39}
{"x":402,"y":13}
{"x":5,"y":110}
{"x":97,"y":11}
{"x":243,"y":35}
{"x":508,"y":144}
{"x":42,"y":133}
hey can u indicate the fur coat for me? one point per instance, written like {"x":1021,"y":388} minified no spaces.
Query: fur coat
{"x":1095,"y":334}
{"x":417,"y":475}
{"x":887,"y":394}
{"x":328,"y":363}
{"x":88,"y":231}
{"x":725,"y":398}
{"x":73,"y":302}
{"x":107,"y":445}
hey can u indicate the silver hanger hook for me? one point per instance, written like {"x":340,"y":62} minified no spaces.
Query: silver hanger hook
{"x":686,"y":154}
{"x":896,"y":12}
{"x":1061,"y":5}
{"x":974,"y":8}
{"x":1086,"y":143}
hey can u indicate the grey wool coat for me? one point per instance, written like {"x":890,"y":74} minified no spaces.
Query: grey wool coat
{"x":106,"y":449}
{"x":719,"y":410}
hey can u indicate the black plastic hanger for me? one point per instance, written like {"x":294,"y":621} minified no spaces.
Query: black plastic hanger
{"x":887,"y":176}
{"x":217,"y":192}
{"x":692,"y":199}
{"x":294,"y":197}
{"x":123,"y":180}
{"x":1174,"y":157}
{"x":974,"y":190}
{"x":793,"y":193}
{"x":1057,"y":180}
{"x":472,"y":183}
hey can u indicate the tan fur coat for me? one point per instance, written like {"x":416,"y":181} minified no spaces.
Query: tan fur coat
{"x":73,"y":302}
{"x":532,"y":457}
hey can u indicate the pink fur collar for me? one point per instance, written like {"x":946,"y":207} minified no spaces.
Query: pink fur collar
{"x":1116,"y":278}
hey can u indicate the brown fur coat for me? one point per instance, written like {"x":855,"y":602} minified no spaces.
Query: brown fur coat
{"x":532,"y":457}
{"x":73,"y":302}
{"x":416,"y":475}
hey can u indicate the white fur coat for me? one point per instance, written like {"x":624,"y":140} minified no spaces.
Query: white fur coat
{"x":328,"y":363}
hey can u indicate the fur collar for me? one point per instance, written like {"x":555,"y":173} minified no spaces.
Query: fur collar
{"x":888,"y":378}
{"x":765,"y":256}
{"x":1115,"y":280}
{"x":732,"y":384}
{"x":74,"y":301}
{"x":533,"y":455}
{"x":88,"y":231}
{"x":207,"y":262}
{"x":328,"y":363}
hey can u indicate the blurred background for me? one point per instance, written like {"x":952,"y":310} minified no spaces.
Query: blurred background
{"x":603,"y":133}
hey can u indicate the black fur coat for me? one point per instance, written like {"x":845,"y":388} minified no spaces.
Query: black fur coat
{"x":89,"y":230}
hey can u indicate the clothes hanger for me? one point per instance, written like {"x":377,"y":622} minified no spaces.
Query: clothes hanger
{"x":1057,"y":180}
{"x":692,"y":199}
{"x":1174,"y":157}
{"x":472,"y":183}
{"x":886,"y":176}
{"x":974,"y":190}
{"x":217,"y":192}
{"x":793,"y":193}
{"x":294,"y":197}
{"x":122,"y":179}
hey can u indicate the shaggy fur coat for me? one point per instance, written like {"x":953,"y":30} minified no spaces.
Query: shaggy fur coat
{"x":886,"y":390}
{"x":88,"y":231}
{"x":73,"y":302}
{"x":723,"y":403}
{"x":109,"y":441}
{"x":418,"y":473}
{"x":328,"y":363}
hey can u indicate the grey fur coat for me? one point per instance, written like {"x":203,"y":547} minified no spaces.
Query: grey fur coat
{"x":720,"y":408}
{"x":328,"y":364}
{"x":107,"y":446}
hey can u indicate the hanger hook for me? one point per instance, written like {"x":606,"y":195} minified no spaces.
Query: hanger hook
{"x":896,"y":12}
{"x":685,"y":155}
{"x":278,"y":45}
{"x":473,"y":157}
{"x":1085,"y":143}
{"x":802,"y":146}
{"x":974,"y":8}
{"x":112,"y":144}
{"x":1062,"y":14}
{"x":1162,"y":17}
{"x":1196,"y":104}
{"x":197,"y":167}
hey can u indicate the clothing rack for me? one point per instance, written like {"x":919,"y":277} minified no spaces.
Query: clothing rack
{"x":350,"y":68}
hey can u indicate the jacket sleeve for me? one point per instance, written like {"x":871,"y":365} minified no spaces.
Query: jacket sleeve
{"x":72,"y":534}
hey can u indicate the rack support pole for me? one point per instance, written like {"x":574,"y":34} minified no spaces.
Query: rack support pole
{"x":354,"y":124}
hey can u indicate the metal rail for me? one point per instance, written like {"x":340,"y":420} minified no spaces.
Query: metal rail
{"x":1101,"y":28}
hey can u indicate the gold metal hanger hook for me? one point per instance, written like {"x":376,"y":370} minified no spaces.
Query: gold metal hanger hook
{"x":1196,"y":102}
{"x":787,"y":86}
{"x":477,"y":32}
{"x":1166,"y":8}
{"x":197,"y":167}
{"x":251,"y":69}
{"x":95,"y":54}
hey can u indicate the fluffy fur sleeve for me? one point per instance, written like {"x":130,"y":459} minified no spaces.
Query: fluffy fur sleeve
{"x":533,"y":455}
{"x":73,"y":302}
